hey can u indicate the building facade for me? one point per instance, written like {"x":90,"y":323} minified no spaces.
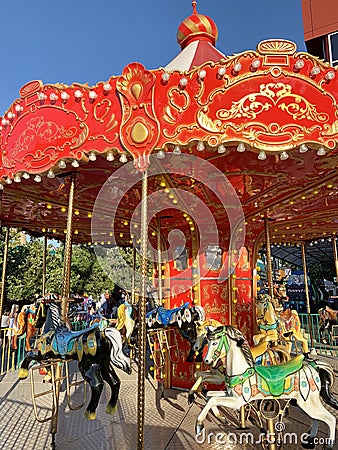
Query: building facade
{"x":320,"y":18}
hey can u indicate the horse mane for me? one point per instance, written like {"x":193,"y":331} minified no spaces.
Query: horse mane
{"x":236,"y":335}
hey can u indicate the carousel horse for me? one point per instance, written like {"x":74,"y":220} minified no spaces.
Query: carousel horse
{"x":276,"y":325}
{"x":290,"y":326}
{"x":183,"y":318}
{"x":262,"y":354}
{"x":25,"y":324}
{"x":305,"y":382}
{"x":327,"y":319}
{"x":97,"y":352}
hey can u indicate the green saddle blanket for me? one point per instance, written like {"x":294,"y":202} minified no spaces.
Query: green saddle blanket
{"x":275,"y":376}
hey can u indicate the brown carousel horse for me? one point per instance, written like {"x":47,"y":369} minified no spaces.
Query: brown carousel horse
{"x":97,"y":351}
{"x":25,"y":324}
{"x":328,"y":317}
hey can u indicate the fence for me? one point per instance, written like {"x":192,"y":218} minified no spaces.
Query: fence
{"x":310,"y":328}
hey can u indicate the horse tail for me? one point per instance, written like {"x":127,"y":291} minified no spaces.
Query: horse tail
{"x":327,"y":376}
{"x":117,"y":357}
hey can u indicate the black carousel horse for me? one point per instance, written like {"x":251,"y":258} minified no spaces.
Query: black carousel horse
{"x":97,"y":351}
{"x":183,"y":318}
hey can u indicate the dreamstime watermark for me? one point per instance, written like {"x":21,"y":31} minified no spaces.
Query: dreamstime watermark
{"x":279,"y":437}
{"x":223,"y":222}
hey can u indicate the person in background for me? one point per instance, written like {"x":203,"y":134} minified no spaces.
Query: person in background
{"x":4,"y":324}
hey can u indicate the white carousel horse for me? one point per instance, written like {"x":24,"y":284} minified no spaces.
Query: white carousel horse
{"x":306,"y":382}
{"x":262,"y":354}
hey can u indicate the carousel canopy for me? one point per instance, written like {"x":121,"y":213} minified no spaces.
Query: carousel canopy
{"x":265,"y":119}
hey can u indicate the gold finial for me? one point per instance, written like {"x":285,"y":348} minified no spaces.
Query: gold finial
{"x":194,"y":3}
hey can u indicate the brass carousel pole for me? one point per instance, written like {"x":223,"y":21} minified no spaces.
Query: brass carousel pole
{"x":68,"y":252}
{"x":335,"y":254}
{"x":44,"y":257}
{"x":65,"y":296}
{"x":4,"y":270}
{"x":307,"y":294}
{"x":133,"y":277}
{"x":268,"y":256}
{"x":142,"y":316}
{"x":159,"y":262}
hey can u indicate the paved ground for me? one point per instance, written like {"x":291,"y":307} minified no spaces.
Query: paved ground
{"x":169,"y":421}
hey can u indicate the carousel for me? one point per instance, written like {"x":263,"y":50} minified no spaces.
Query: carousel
{"x":195,"y":165}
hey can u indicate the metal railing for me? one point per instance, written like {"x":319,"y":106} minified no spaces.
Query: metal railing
{"x":329,"y":347}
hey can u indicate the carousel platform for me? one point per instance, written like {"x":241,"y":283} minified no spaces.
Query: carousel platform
{"x":169,"y":421}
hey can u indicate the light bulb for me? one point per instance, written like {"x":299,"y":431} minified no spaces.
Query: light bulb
{"x":183,"y":82}
{"x":75,"y":163}
{"x":50,"y":174}
{"x":303,"y":148}
{"x":92,"y":95}
{"x":110,"y":156}
{"x":241,"y":147}
{"x":107,"y":87}
{"x":283,"y":156}
{"x":123,"y":158}
{"x":17,"y":178}
{"x":64,"y":96}
{"x":200,"y":146}
{"x":37,"y":178}
{"x":330,"y":75}
{"x":165,"y":77}
{"x":62,"y":164}
{"x":78,"y":94}
{"x":321,"y":151}
{"x":299,"y":64}
{"x":160,"y":154}
{"x":315,"y":71}
{"x":202,"y":74}
{"x":221,"y":149}
{"x":53,"y":97}
{"x":177,"y":150}
{"x":255,"y":64}
{"x":221,"y":71}
{"x":237,"y":67}
{"x":92,"y":156}
{"x":26,"y":175}
{"x":262,"y":156}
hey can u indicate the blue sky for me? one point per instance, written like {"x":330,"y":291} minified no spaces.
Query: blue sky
{"x":88,"y":41}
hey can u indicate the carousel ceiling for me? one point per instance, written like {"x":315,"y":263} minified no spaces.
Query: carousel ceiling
{"x":255,"y":131}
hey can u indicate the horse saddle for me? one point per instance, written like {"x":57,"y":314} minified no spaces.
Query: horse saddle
{"x":63,"y":338}
{"x":165,"y":316}
{"x":274,"y":375}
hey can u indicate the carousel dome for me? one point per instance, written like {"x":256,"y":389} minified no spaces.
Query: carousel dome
{"x":197,"y":26}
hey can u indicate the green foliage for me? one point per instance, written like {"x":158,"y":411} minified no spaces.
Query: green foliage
{"x":89,"y":272}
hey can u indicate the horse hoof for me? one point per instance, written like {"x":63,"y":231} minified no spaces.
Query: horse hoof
{"x":89,"y":415}
{"x":308,"y":442}
{"x":199,"y":428}
{"x":111,"y":409}
{"x":23,"y":374}
{"x":191,"y":399}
